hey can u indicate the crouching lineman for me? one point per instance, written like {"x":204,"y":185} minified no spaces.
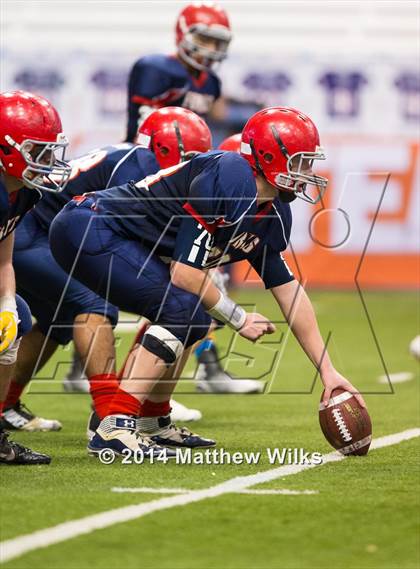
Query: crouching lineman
{"x":153,"y":239}
{"x":142,"y":246}
{"x":64,"y":308}
{"x":30,"y":134}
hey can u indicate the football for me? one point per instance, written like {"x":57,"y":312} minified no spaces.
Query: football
{"x":345,"y":424}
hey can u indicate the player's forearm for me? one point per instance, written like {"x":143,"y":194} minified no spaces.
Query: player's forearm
{"x":195,"y":281}
{"x":7,"y":281}
{"x":7,"y":274}
{"x":299,"y":313}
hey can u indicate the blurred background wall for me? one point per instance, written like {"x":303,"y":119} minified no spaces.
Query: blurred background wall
{"x":352,"y":66}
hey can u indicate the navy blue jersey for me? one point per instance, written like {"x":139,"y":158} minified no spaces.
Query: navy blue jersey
{"x":177,"y":211}
{"x":98,"y":170}
{"x":14,"y":206}
{"x":260,"y":241}
{"x":162,"y":80}
{"x":204,"y":213}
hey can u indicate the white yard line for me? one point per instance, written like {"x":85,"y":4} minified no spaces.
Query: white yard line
{"x":399,"y":377}
{"x":146,"y":490}
{"x":282,"y":492}
{"x":18,"y":546}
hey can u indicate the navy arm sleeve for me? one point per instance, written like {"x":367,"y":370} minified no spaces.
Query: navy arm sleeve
{"x":193,"y":243}
{"x":225,"y":192}
{"x":272,"y":268}
{"x":147,"y":83}
{"x":136,"y":165}
{"x":149,"y":86}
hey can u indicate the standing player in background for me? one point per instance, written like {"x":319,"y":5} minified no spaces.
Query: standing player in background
{"x":184,"y":79}
{"x":64,"y":309}
{"x":30,"y":134}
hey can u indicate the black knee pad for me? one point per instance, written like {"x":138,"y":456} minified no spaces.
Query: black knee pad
{"x":162,"y":343}
{"x":184,"y":319}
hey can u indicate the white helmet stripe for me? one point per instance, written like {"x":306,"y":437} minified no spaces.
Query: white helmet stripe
{"x":144,"y":140}
{"x":245,"y":148}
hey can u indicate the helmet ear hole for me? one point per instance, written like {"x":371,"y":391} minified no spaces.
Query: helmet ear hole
{"x":164,"y":150}
{"x":5,"y":149}
{"x":268,"y":157}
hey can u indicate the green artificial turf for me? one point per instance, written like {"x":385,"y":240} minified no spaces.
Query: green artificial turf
{"x":363,"y":516}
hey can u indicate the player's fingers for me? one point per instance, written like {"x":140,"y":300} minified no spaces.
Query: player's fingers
{"x":360,"y":399}
{"x":326,"y":396}
{"x":349,"y":387}
{"x":271,"y":328}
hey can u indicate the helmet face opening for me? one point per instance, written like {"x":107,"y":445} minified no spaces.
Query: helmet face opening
{"x":32,"y":144}
{"x":46,"y":168}
{"x":203,"y":35}
{"x":202,"y":48}
{"x":300,"y":178}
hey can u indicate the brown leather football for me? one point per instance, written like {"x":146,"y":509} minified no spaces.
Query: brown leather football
{"x":345,"y":424}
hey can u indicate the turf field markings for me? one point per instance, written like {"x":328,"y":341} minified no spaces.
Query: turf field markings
{"x":399,"y":377}
{"x":145,"y":490}
{"x":15,"y":547}
{"x":281,"y":492}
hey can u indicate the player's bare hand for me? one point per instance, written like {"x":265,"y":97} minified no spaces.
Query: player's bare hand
{"x":333,"y":380}
{"x":256,"y":325}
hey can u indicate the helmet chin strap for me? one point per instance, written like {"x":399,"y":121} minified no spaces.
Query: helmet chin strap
{"x":287,"y":197}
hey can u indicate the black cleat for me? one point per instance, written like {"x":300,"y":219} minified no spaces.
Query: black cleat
{"x":14,"y":453}
{"x":20,"y":418}
{"x":93,"y":423}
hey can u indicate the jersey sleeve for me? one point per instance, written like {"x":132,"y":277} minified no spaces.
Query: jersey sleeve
{"x":90,"y":172}
{"x":272,"y":268}
{"x":149,"y":85}
{"x":193,"y":243}
{"x":223,"y":194}
{"x":133,"y":166}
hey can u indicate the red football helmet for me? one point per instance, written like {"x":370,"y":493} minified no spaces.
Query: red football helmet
{"x":174,"y":134}
{"x":30,"y":134}
{"x":231,"y":143}
{"x":197,"y":24}
{"x":281,"y":144}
